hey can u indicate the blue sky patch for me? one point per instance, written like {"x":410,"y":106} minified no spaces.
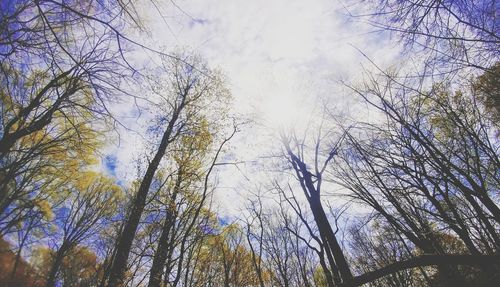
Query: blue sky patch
{"x":110,"y":164}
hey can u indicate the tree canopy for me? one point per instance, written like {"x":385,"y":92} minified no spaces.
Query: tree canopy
{"x":401,"y":190}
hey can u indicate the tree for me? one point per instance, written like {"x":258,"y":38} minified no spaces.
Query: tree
{"x":187,"y":198}
{"x":60,"y":67}
{"x":190,"y":88}
{"x":93,"y":200}
{"x":412,"y":169}
{"x":487,"y":88}
{"x":254,"y":232}
{"x":80,"y":267}
{"x":311,"y":183}
{"x":283,"y":241}
{"x":224,"y":260}
{"x":452,"y":34}
{"x":68,"y":66}
{"x":31,"y":168}
{"x":378,"y":245}
{"x":15,"y":271}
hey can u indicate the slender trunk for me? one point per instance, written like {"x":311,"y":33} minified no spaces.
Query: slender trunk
{"x":51,"y":279}
{"x":226,"y":278}
{"x":160,"y":257}
{"x":161,"y":253}
{"x":199,"y":208}
{"x":21,"y":246}
{"x":187,"y":269}
{"x":124,"y":245}
{"x":256,"y":262}
{"x":326,"y":271}
{"x":312,"y":193}
{"x":326,"y":231}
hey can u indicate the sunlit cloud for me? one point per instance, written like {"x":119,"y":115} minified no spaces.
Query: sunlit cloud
{"x":282,"y":59}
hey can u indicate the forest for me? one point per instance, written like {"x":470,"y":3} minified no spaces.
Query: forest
{"x":129,"y":160}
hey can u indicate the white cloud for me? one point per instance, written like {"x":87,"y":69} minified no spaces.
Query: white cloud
{"x":279,"y":56}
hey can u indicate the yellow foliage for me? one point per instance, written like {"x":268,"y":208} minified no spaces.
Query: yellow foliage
{"x":45,"y":208}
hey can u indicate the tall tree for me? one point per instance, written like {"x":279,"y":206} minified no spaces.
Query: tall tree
{"x":195,"y":159}
{"x":60,"y":67}
{"x":311,"y":184}
{"x":90,"y":202}
{"x":190,"y":88}
{"x":413,"y":170}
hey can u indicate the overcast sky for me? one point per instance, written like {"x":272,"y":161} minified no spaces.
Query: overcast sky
{"x":281,"y":58}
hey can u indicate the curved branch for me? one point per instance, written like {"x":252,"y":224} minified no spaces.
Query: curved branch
{"x":424,"y":260}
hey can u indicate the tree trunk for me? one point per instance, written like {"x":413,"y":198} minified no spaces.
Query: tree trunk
{"x":427,"y":260}
{"x":51,"y":279}
{"x":161,"y":253}
{"x":119,"y":265}
{"x":160,"y":256}
{"x":325,"y":229}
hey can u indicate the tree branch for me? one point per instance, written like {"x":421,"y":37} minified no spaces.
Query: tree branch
{"x":424,"y":260}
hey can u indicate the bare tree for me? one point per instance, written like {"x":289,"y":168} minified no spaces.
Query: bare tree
{"x":452,"y":34}
{"x":413,"y":169}
{"x":311,"y":180}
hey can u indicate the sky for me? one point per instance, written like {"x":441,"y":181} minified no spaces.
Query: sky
{"x":283,"y":59}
